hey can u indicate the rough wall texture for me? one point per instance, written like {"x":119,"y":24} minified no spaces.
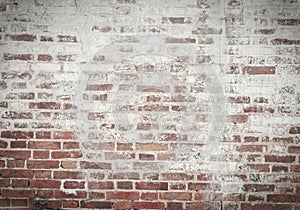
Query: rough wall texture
{"x":159,"y":104}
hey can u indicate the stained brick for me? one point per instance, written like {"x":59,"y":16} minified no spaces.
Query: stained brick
{"x":184,"y":196}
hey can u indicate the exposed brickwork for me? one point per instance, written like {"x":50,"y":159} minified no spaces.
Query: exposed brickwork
{"x":135,"y":104}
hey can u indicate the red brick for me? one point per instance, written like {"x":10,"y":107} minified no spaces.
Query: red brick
{"x":63,"y":155}
{"x":146,"y":157}
{"x":7,"y":193}
{"x":238,"y":118}
{"x":295,"y":168}
{"x":185,"y":196}
{"x":71,"y":145}
{"x":205,"y":196}
{"x":44,"y":105}
{"x":255,"y":198}
{"x":118,"y":156}
{"x":99,"y":146}
{"x":18,"y":144}
{"x":204,"y":177}
{"x":152,"y":146}
{"x":46,"y":39}
{"x":20,"y":183}
{"x":250,"y":139}
{"x":280,"y":159}
{"x":70,"y":204}
{"x":176,"y":176}
{"x":23,"y":37}
{"x":43,"y":135}
{"x":4,"y":183}
{"x":282,"y":198}
{"x":16,"y":134}
{"x":51,"y":145}
{"x":23,"y":57}
{"x":102,"y":87}
{"x":68,"y":175}
{"x":96,"y":195}
{"x":148,"y":205}
{"x":284,"y":140}
{"x":124,"y":185}
{"x":294,"y":149}
{"x":124,"y":146}
{"x":175,"y":205}
{"x":251,"y":148}
{"x":42,"y":164}
{"x":4,"y":202}
{"x":41,"y":154}
{"x":248,"y":206}
{"x":95,"y":165}
{"x":19,"y":202}
{"x":101,"y":185}
{"x":69,"y":164}
{"x":258,"y":188}
{"x":44,"y":193}
{"x":64,"y":135}
{"x":259,"y":167}
{"x":96,"y":204}
{"x":12,"y":173}
{"x":3,"y":85}
{"x":122,"y":205}
{"x":122,"y":195}
{"x":203,"y":186}
{"x":45,"y":184}
{"x":280,"y":168}
{"x":73,"y":185}
{"x":3,"y":144}
{"x":258,"y":109}
{"x":283,"y":207}
{"x":18,"y":154}
{"x":294,"y":130}
{"x":2,"y":163}
{"x":44,"y":57}
{"x":42,"y":174}
{"x":177,"y":186}
{"x":252,"y":70}
{"x":166,"y":156}
{"x":54,"y":204}
{"x":151,"y":185}
{"x":149,"y":196}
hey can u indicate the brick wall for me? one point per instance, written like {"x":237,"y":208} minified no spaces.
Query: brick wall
{"x":161,"y":104}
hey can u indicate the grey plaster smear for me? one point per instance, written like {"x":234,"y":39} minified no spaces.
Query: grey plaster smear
{"x":123,"y":81}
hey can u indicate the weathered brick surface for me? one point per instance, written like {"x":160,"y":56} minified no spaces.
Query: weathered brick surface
{"x":134,"y":104}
